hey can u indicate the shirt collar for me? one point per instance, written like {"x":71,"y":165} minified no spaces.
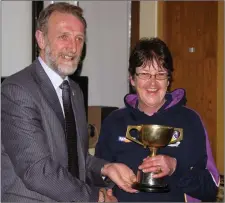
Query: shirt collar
{"x":53,"y":76}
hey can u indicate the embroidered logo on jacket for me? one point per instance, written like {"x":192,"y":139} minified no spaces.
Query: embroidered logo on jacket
{"x":176,"y":135}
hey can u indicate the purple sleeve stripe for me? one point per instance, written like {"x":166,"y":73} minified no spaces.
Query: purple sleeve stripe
{"x":211,"y":166}
{"x":190,"y":199}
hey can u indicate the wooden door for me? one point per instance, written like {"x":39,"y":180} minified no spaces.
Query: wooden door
{"x":190,"y":30}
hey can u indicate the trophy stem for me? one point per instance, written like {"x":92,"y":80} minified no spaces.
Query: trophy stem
{"x":153,"y":151}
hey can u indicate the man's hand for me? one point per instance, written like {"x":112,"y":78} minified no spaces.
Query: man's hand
{"x":120,"y":174}
{"x":161,"y":165}
{"x":106,"y":196}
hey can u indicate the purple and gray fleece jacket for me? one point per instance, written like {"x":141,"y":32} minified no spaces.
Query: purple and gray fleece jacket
{"x":196,"y":177}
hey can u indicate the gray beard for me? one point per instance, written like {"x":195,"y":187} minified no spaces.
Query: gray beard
{"x":62,"y":70}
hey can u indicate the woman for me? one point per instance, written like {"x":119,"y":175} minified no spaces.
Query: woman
{"x":187,"y":167}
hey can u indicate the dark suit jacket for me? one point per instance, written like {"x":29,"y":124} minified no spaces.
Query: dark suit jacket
{"x":34,"y":154}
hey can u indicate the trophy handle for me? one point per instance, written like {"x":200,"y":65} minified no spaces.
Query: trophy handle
{"x":180,"y":130}
{"x":128,"y":136}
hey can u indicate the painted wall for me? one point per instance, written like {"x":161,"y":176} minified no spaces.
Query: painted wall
{"x":16,"y":36}
{"x":148,"y":19}
{"x":107,"y":51}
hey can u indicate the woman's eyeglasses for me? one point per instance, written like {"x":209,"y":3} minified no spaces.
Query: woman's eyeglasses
{"x":147,"y":76}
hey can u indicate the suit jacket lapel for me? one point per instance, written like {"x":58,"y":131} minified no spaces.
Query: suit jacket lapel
{"x":48,"y":90}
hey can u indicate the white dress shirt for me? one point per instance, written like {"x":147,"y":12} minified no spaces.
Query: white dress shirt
{"x":55,"y":79}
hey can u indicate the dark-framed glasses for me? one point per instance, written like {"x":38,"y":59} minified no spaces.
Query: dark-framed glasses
{"x":147,"y":76}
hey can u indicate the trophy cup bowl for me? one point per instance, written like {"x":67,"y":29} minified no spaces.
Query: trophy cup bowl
{"x":153,"y":137}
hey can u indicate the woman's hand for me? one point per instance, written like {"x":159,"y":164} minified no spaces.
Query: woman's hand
{"x":161,"y":165}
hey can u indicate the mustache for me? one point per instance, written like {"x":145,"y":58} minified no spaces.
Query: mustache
{"x":74,"y":56}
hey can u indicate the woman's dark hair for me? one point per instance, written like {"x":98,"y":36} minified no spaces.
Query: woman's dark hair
{"x":148,"y":50}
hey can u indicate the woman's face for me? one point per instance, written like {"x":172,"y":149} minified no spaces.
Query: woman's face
{"x":150,"y":82}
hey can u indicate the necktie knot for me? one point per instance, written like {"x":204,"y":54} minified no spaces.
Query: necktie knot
{"x":65,"y":85}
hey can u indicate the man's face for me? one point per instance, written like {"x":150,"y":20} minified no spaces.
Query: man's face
{"x":63,"y":43}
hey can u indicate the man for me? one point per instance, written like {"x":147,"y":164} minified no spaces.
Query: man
{"x":33,"y":119}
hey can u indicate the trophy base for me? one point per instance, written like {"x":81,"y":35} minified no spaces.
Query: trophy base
{"x":150,"y":188}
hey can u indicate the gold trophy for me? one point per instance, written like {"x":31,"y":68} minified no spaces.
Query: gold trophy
{"x":153,"y":137}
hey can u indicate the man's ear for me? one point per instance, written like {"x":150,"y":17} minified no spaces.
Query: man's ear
{"x":40,"y":39}
{"x":168,"y":83}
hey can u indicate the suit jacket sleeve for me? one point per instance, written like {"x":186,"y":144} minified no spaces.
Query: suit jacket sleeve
{"x":8,"y":176}
{"x":27,"y":146}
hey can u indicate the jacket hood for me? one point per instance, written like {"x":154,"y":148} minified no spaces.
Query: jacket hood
{"x":174,"y":98}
